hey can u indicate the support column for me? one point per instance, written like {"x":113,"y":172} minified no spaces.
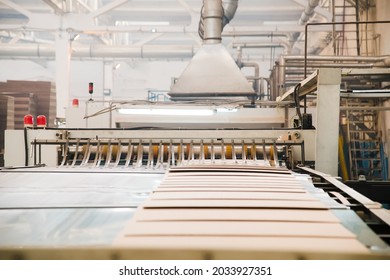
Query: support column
{"x":108,"y":77}
{"x":328,"y":111}
{"x":63,"y":56}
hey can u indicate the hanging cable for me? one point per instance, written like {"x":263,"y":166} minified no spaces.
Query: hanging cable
{"x":297,"y":101}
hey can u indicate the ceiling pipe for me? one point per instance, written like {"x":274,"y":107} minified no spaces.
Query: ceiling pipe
{"x":333,"y":65}
{"x":384,"y":63}
{"x":307,"y":13}
{"x":286,"y":46}
{"x":271,"y":35}
{"x":332,"y":24}
{"x":100,"y":51}
{"x":339,"y":58}
{"x":229,"y":11}
{"x":212,"y":21}
{"x":213,"y":12}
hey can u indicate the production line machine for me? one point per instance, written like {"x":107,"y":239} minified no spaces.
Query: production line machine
{"x":236,"y":184}
{"x":165,"y":193}
{"x":160,"y":149}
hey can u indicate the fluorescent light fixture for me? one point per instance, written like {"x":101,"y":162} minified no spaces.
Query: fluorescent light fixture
{"x":167,"y":112}
{"x":142,"y":23}
{"x":227,"y":110}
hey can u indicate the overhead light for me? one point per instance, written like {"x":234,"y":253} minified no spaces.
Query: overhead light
{"x":142,"y":23}
{"x":167,"y":112}
{"x":117,"y":66}
{"x":154,"y":30}
{"x":227,"y":110}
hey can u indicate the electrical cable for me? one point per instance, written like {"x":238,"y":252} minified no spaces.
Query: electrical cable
{"x":296,"y":100}
{"x":25,"y":147}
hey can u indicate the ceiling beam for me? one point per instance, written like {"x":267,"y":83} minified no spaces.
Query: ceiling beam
{"x":107,"y":8}
{"x":54,"y":6}
{"x":85,"y":6}
{"x":17,"y":8}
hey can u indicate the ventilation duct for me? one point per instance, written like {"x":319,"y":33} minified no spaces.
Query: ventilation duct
{"x":306,"y":15}
{"x":212,"y":72}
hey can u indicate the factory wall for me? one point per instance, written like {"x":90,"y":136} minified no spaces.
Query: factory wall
{"x":131,"y":80}
{"x":382,"y":13}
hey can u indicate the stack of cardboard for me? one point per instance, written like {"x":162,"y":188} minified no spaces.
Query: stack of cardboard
{"x":25,"y":104}
{"x":31,"y":97}
{"x":7,"y":112}
{"x":238,"y":208}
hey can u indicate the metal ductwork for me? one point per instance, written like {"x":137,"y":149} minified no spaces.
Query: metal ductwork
{"x":99,"y":51}
{"x":307,"y":13}
{"x":212,"y":72}
{"x":212,"y":9}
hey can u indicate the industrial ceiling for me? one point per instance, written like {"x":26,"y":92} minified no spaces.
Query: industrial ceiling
{"x":150,"y":28}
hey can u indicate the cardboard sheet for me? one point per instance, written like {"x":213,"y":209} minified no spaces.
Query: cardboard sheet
{"x":231,"y":185}
{"x":315,"y":216}
{"x":226,"y":178}
{"x":235,"y":204}
{"x":232,"y":228}
{"x":230,"y":189}
{"x":281,"y":244}
{"x":232,"y":195}
{"x":236,"y":208}
{"x":230,"y":174}
{"x":229,"y":180}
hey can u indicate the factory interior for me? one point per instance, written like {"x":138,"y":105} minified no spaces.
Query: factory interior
{"x":194,"y":129}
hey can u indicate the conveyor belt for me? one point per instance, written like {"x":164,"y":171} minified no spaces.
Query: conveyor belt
{"x":213,"y":207}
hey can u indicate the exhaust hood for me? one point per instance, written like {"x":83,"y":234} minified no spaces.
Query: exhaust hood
{"x":212,"y":72}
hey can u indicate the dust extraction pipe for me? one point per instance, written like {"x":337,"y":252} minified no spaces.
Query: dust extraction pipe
{"x":307,"y":13}
{"x":217,"y":17}
{"x":229,"y":11}
{"x":212,"y":20}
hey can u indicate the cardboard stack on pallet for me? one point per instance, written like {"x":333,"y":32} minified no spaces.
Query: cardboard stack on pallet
{"x":25,"y":104}
{"x":7,"y":112}
{"x":19,"y":98}
{"x":31,"y":97}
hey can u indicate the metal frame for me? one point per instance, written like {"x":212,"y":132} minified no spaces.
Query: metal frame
{"x":171,"y":145}
{"x":372,"y":206}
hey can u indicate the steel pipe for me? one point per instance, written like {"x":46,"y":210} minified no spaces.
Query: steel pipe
{"x":332,"y":24}
{"x":212,"y":21}
{"x":217,"y":16}
{"x":97,"y":51}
